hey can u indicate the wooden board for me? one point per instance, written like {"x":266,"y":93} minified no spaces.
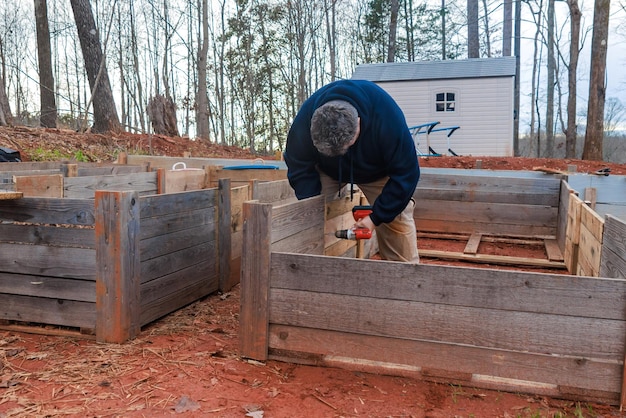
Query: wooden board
{"x":613,"y":257}
{"x":472,"y":244}
{"x":40,"y":186}
{"x":552,"y":250}
{"x":10,"y":195}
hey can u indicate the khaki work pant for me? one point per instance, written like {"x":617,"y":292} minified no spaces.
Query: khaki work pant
{"x":397,"y":240}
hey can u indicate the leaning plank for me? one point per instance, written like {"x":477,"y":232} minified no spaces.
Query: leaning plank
{"x":255,"y":280}
{"x":552,"y":250}
{"x":117,"y":265}
{"x":472,"y":244}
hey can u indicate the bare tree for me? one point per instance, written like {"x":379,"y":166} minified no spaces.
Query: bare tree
{"x":550,"y":80}
{"x":48,"y":114}
{"x":393,"y":30}
{"x":473,"y":46}
{"x":202,"y":100}
{"x":597,"y":89}
{"x":572,"y":69}
{"x":5,"y":110}
{"x":105,"y":114}
{"x":507,"y":28}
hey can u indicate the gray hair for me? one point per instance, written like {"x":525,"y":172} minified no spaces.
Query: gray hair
{"x":333,"y":126}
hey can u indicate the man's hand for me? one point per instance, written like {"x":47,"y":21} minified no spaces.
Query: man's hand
{"x":365,"y":223}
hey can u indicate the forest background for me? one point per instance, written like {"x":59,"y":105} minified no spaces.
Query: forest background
{"x":235,"y":72}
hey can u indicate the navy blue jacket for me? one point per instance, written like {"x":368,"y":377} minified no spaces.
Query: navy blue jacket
{"x":384,"y":148}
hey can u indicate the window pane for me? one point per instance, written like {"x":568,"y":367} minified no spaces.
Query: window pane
{"x":450,"y":107}
{"x":450,"y":97}
{"x":440,"y":97}
{"x":440,"y":107}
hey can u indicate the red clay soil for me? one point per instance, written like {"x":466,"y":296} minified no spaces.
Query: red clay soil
{"x":187,"y":363}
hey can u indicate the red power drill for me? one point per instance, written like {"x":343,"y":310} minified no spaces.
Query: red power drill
{"x":358,"y":212}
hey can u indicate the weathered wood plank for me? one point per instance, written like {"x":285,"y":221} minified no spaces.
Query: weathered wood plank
{"x":255,"y":280}
{"x":420,"y":355}
{"x":202,"y":273}
{"x":475,"y":287}
{"x":227,"y":278}
{"x":48,"y":211}
{"x":472,"y":244}
{"x":47,"y":235}
{"x":47,"y":311}
{"x":185,"y":180}
{"x":242,"y":177}
{"x":177,"y":260}
{"x":561,"y":227}
{"x":613,"y":257}
{"x":117,"y":266}
{"x":542,"y":198}
{"x":496,"y":214}
{"x":86,"y":186}
{"x":112,"y":169}
{"x":469,"y":227}
{"x":453,"y":324}
{"x":552,"y":250}
{"x":589,"y":250}
{"x":157,"y":226}
{"x":45,"y":260}
{"x":293,"y":218}
{"x":592,"y":221}
{"x":48,"y":287}
{"x":8,"y":195}
{"x":272,"y":191}
{"x":40,"y":186}
{"x":158,"y":205}
{"x":161,"y":245}
{"x":307,"y":241}
{"x":493,"y":259}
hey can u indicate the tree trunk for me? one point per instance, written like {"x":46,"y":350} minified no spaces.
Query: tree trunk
{"x":550,"y":83}
{"x":507,"y":28}
{"x":597,"y":89}
{"x":5,"y":109}
{"x":393,"y":30}
{"x":473,"y":46}
{"x":162,"y":112}
{"x":105,"y":117}
{"x":571,"y":131}
{"x":48,"y":111}
{"x":202,"y":100}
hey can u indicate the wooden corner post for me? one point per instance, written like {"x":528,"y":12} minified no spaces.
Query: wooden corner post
{"x":255,"y":280}
{"x":117,"y":266}
{"x":224,"y":236}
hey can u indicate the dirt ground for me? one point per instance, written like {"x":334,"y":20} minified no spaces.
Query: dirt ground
{"x":187,"y":363}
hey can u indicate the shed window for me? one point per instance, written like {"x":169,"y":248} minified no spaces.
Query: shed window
{"x":445,"y":102}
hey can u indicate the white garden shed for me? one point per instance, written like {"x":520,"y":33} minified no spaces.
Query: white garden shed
{"x":474,"y":94}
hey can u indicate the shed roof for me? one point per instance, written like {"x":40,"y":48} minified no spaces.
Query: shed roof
{"x":432,"y":70}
